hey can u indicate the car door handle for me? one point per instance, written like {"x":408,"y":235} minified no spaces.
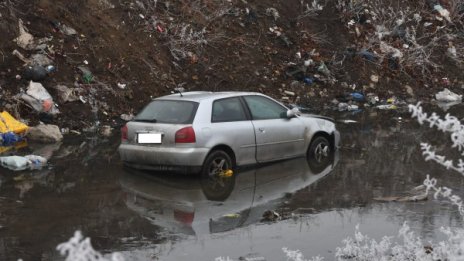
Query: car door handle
{"x":261,"y":130}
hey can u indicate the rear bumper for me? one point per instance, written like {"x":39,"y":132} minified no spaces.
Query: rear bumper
{"x":175,"y":159}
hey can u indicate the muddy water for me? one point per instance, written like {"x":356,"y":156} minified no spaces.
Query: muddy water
{"x":164,"y":217}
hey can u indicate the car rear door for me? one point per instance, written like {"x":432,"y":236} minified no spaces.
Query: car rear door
{"x":277,"y":137}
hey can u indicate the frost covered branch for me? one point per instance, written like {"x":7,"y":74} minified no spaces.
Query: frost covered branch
{"x":449,"y":124}
{"x":80,"y":249}
{"x":444,"y":192}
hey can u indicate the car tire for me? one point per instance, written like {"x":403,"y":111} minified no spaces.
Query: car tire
{"x":216,"y":162}
{"x":214,"y":186}
{"x":319,"y":154}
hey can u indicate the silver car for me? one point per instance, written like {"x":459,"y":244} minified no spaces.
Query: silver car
{"x":215,"y":132}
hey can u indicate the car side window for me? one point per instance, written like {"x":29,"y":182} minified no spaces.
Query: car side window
{"x":262,"y":108}
{"x":228,"y":109}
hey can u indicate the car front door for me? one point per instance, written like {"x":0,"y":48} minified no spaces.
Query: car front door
{"x":232,"y":127}
{"x":277,"y":137}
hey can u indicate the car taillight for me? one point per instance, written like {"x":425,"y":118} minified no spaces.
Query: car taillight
{"x":185,"y":135}
{"x":124,"y":133}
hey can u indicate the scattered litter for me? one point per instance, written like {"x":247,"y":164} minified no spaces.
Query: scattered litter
{"x":347,"y":121}
{"x":234,"y":215}
{"x":127,"y":117}
{"x":357,"y":96}
{"x":9,"y":138}
{"x":106,"y":130}
{"x":323,"y":69}
{"x":39,"y":98}
{"x":35,"y":73}
{"x":387,"y":107}
{"x":273,"y":12}
{"x":447,"y":105}
{"x":26,"y":40}
{"x":289,"y":93}
{"x":226,"y":173}
{"x":87,"y":76}
{"x":122,"y":85}
{"x":9,"y":124}
{"x":368,"y":55}
{"x":67,"y":30}
{"x":342,"y":106}
{"x":443,"y":12}
{"x":375,"y":78}
{"x":65,"y":94}
{"x":447,"y":96}
{"x":17,"y":163}
{"x":270,"y":216}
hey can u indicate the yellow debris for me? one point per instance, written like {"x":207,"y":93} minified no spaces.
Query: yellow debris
{"x":226,"y":173}
{"x":9,"y":123}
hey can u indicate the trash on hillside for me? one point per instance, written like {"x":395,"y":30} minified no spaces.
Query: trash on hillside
{"x":17,"y":163}
{"x":127,"y":117}
{"x":374,"y":78}
{"x":357,"y":96}
{"x":35,"y":73}
{"x":9,"y":124}
{"x":368,"y":55}
{"x":323,"y":69}
{"x":447,"y":96}
{"x":273,"y":12}
{"x":87,"y":76}
{"x":445,"y":106}
{"x":106,"y":130}
{"x":347,"y":121}
{"x":66,"y":94}
{"x":26,"y":40}
{"x":443,"y":12}
{"x":17,"y":146}
{"x":39,"y":98}
{"x":342,"y":106}
{"x":387,"y":107}
{"x":122,"y":85}
{"x":67,"y":30}
{"x":308,"y":80}
{"x":9,"y":138}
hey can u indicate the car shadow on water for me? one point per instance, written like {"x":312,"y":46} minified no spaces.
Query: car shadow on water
{"x":198,"y":205}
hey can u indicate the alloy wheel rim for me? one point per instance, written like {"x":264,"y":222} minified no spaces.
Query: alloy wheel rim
{"x":321,"y":151}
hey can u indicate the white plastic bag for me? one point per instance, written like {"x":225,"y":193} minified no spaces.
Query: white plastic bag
{"x":14,"y":162}
{"x":447,"y":96}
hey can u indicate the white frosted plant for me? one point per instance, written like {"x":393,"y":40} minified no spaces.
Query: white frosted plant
{"x":79,"y":248}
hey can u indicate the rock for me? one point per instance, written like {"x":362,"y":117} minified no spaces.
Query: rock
{"x":45,"y":133}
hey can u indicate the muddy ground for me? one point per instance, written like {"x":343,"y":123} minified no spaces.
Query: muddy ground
{"x":151,"y":47}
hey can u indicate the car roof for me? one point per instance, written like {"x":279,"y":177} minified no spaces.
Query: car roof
{"x":197,"y":96}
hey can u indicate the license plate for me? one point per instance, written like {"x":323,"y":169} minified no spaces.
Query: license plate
{"x":149,"y":138}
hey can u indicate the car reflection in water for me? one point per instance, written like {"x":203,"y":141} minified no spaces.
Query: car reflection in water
{"x":198,"y":206}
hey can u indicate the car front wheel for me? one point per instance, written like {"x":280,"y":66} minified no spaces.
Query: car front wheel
{"x":319,"y":154}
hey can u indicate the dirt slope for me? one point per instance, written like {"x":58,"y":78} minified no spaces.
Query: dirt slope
{"x":151,"y":47}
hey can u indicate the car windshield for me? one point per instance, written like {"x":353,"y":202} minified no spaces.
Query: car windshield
{"x":167,"y":111}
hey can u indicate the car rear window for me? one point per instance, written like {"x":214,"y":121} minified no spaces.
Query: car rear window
{"x":166,"y":111}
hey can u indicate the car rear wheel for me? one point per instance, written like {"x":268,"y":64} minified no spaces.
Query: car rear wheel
{"x":217,"y":186}
{"x":319,"y":153}
{"x":216,"y":164}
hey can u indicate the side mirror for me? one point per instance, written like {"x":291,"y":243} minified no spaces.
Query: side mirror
{"x":292,"y":113}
